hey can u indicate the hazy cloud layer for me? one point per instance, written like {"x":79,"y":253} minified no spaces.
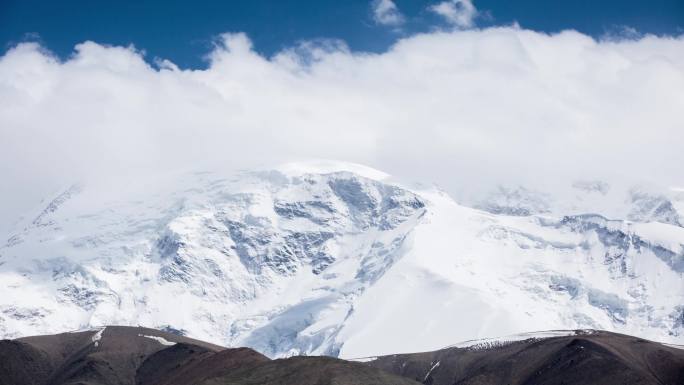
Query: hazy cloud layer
{"x":463,"y":109}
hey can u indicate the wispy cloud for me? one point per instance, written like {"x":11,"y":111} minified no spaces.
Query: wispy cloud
{"x":385,"y":12}
{"x":460,"y":13}
{"x":621,"y":32}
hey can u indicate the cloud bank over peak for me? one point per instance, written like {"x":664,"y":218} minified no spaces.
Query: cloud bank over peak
{"x":461,"y":108}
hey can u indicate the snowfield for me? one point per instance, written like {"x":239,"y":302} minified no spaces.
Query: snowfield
{"x":335,"y":258}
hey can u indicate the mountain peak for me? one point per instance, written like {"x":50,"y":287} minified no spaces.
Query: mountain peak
{"x":331,"y":258}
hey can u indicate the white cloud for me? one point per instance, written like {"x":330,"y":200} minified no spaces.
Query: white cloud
{"x":462,"y":108}
{"x":460,"y":13}
{"x":385,"y":12}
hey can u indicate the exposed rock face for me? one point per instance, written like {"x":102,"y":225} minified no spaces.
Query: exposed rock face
{"x":618,"y":240}
{"x":652,"y":207}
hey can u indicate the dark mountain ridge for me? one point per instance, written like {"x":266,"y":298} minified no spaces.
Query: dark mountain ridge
{"x":118,"y":355}
{"x":585,"y":357}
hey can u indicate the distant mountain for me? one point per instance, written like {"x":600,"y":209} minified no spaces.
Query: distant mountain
{"x":341,"y":260}
{"x":116,"y":355}
{"x":633,"y":203}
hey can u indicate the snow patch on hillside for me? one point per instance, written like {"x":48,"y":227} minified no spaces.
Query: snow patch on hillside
{"x":488,"y":343}
{"x":97,"y":337}
{"x":161,"y":340}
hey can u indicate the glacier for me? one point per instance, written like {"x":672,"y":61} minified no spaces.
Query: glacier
{"x":340,"y":259}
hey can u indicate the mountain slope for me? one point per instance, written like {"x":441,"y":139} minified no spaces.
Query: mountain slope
{"x":561,"y":357}
{"x":109,"y":355}
{"x":139,"y":356}
{"x":117,"y":355}
{"x":333,"y":259}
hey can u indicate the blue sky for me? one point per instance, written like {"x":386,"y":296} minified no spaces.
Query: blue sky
{"x":182,"y":31}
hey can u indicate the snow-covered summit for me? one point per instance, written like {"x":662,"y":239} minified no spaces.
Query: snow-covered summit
{"x":326,"y":166}
{"x":330,"y":258}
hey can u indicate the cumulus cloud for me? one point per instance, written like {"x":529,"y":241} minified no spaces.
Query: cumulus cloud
{"x":460,"y":13}
{"x":385,"y":12}
{"x":460,"y":108}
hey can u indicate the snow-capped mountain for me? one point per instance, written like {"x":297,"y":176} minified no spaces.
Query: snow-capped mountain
{"x":634,"y":203}
{"x":338,"y":259}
